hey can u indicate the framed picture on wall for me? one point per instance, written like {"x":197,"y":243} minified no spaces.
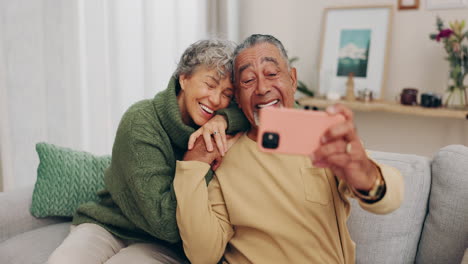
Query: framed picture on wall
{"x":446,"y":4}
{"x":355,"y":40}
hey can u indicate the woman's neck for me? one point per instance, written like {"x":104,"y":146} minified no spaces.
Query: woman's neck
{"x":183,"y":109}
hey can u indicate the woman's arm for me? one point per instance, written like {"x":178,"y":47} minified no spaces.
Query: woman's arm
{"x":227,"y":121}
{"x":140,"y":179}
{"x":236,"y":120}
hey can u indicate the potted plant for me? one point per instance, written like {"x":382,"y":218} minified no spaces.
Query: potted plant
{"x":454,"y":40}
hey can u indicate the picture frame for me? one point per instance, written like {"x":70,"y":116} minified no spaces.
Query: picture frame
{"x":355,"y":39}
{"x":446,"y":4}
{"x":408,"y":4}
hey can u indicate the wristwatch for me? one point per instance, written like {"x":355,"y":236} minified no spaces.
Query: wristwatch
{"x":375,"y":194}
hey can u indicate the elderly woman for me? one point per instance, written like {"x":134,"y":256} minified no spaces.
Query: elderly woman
{"x":135,"y":220}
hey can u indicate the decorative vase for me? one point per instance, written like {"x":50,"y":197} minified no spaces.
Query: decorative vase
{"x":456,"y":95}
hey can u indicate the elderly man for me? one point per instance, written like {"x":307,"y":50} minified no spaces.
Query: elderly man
{"x":275,"y":208}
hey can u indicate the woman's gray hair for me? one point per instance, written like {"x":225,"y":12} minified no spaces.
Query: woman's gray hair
{"x":256,"y":39}
{"x":211,"y":53}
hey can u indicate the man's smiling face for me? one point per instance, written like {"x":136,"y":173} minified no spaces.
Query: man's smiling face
{"x":263,"y":80}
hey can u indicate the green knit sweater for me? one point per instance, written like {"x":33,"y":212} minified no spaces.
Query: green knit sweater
{"x":138,"y":202}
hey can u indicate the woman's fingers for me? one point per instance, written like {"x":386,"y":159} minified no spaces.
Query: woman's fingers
{"x":208,"y":143}
{"x":219,"y":142}
{"x":224,"y":139}
{"x":193,"y":138}
{"x":215,"y":127}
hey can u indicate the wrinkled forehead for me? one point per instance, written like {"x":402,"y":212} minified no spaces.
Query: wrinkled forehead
{"x":259,"y":53}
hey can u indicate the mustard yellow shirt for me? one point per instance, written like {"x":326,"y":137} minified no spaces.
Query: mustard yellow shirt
{"x":269,"y":208}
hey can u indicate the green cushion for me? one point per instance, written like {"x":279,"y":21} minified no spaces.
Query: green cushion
{"x":66,"y":178}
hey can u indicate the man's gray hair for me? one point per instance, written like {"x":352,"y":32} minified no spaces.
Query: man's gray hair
{"x":256,"y":39}
{"x":211,"y":53}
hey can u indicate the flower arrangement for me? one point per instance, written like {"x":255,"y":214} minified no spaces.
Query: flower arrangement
{"x":456,"y":47}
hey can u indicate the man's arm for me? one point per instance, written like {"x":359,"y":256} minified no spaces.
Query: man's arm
{"x":390,"y":200}
{"x":342,"y":151}
{"x":201,"y":213}
{"x":393,"y":196}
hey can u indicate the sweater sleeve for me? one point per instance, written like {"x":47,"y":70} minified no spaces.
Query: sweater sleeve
{"x":235,"y":118}
{"x":141,"y":175}
{"x":202,"y":215}
{"x":393,"y":195}
{"x":141,"y":184}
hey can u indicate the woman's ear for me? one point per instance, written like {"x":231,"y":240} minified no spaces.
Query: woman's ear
{"x":182,"y":81}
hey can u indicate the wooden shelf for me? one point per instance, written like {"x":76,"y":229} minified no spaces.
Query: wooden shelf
{"x":387,"y":107}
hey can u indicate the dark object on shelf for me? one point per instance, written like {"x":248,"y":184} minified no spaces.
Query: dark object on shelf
{"x":308,"y":107}
{"x":409,"y":96}
{"x":430,"y":100}
{"x":313,"y":108}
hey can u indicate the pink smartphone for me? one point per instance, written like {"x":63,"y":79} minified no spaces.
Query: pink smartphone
{"x":293,"y":131}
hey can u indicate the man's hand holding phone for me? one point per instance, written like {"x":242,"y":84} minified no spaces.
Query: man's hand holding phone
{"x":341,"y":150}
{"x":329,"y":138}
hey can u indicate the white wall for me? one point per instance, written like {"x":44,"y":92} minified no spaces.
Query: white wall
{"x":69,"y":69}
{"x":414,"y":61}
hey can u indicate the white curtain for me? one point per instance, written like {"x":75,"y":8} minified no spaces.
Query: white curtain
{"x":69,"y":69}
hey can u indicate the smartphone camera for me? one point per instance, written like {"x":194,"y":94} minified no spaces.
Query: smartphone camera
{"x":270,"y":140}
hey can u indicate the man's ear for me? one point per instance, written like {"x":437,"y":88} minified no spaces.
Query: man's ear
{"x":293,"y":76}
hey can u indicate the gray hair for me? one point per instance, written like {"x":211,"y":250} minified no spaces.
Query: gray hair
{"x":211,"y":53}
{"x":256,"y":39}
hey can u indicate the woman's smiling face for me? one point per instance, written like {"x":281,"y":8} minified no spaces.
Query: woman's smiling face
{"x":203,"y":92}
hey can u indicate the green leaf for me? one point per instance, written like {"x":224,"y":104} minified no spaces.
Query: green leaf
{"x":440,"y":24}
{"x":301,"y":87}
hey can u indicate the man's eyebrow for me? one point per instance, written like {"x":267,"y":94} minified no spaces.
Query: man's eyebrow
{"x":213,"y":78}
{"x":270,"y":59}
{"x":243,"y":67}
{"x":264,"y":59}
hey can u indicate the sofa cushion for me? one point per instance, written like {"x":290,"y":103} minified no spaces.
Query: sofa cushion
{"x":34,"y":246}
{"x":66,"y":178}
{"x":14,"y":214}
{"x":445,"y":234}
{"x":393,"y":238}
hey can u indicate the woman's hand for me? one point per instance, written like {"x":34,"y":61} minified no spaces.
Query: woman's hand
{"x":213,"y":158}
{"x":215,"y":127}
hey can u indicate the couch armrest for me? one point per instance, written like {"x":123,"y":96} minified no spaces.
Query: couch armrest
{"x":14,"y":214}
